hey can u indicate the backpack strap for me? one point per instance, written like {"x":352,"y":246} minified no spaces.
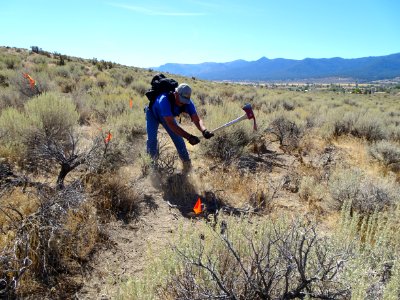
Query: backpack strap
{"x":171,"y":99}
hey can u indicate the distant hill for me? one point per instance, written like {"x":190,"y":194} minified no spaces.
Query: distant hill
{"x":264,"y":69}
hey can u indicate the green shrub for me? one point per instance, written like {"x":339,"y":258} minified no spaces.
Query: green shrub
{"x":13,"y":127}
{"x":103,"y":80}
{"x":386,"y":152}
{"x":67,"y":85}
{"x":40,"y":60}
{"x":394,"y":132}
{"x":10,"y":98}
{"x":229,"y":142}
{"x":239,"y":259}
{"x":359,"y":260}
{"x":62,"y":71}
{"x":316,"y":117}
{"x":214,"y":99}
{"x":373,"y":271}
{"x":311,"y":190}
{"x":344,"y":123}
{"x":3,"y":81}
{"x":288,"y":105}
{"x":12,"y":62}
{"x":5,"y":78}
{"x":364,"y":193}
{"x":140,"y":87}
{"x":128,"y":79}
{"x":76,"y":71}
{"x":49,"y":114}
{"x":127,"y":126}
{"x":369,"y":126}
{"x":85,"y":85}
{"x":52,"y":113}
{"x":109,"y":103}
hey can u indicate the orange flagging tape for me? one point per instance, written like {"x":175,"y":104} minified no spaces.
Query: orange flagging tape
{"x":197,"y":207}
{"x":108,"y":138}
{"x":32,"y":81}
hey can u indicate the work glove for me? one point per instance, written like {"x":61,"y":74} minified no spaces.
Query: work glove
{"x":193,"y":140}
{"x":207,"y":134}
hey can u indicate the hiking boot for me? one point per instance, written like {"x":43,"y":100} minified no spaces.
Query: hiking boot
{"x":186,"y":166}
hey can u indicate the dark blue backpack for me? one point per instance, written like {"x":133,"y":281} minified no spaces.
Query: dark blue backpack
{"x":161,"y":85}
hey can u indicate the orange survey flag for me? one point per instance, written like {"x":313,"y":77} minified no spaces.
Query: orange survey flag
{"x":197,"y":207}
{"x":31,"y":80}
{"x":108,"y":138}
{"x":131,"y":103}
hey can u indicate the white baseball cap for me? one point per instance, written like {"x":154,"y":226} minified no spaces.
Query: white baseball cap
{"x":184,"y":92}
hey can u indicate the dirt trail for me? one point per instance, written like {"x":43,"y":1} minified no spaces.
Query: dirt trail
{"x":125,"y":253}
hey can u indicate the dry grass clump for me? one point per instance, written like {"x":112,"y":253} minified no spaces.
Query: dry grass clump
{"x":228,"y":143}
{"x":314,"y":192}
{"x":14,"y":205}
{"x":114,"y":197}
{"x":287,"y":132}
{"x":227,"y":146}
{"x":50,"y":242}
{"x":238,"y":189}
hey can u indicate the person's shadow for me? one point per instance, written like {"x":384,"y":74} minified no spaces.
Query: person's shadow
{"x":180,"y":193}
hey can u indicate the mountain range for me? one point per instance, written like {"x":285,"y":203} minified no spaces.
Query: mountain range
{"x":361,"y":69}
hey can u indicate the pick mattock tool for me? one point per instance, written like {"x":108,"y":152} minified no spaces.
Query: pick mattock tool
{"x":248,"y":115}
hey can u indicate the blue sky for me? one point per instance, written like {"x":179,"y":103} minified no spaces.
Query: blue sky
{"x":150,"y":33}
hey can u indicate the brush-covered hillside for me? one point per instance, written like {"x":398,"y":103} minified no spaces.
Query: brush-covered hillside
{"x":305,"y":207}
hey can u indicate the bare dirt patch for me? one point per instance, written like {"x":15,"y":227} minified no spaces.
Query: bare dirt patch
{"x":124,"y":254}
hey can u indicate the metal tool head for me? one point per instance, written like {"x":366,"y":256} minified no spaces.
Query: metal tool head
{"x":250,"y":114}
